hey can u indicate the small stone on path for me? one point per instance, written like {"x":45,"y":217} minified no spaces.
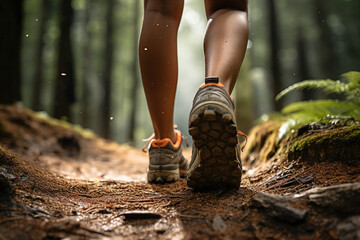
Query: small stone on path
{"x":218,"y":223}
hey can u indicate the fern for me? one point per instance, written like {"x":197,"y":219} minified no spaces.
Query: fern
{"x":349,"y":86}
{"x":329,"y":86}
{"x":322,"y":108}
{"x":353,"y":79}
{"x":301,"y":113}
{"x":327,"y":110}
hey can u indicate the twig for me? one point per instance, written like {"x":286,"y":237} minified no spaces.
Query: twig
{"x":91,"y":208}
{"x":84,"y":195}
{"x":171,"y":196}
{"x":73,"y":202}
{"x":282,"y":182}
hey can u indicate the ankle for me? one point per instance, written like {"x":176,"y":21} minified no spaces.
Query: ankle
{"x":172,"y":136}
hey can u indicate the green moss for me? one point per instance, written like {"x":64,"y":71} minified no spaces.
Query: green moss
{"x":62,"y":123}
{"x":338,"y":137}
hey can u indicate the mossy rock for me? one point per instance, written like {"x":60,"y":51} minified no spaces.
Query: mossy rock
{"x":338,"y":144}
{"x":262,"y":142}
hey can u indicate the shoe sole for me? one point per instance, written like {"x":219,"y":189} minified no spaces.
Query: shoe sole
{"x":165,"y":176}
{"x":214,"y":133}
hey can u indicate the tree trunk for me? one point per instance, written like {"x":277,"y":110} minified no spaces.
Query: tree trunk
{"x":274,"y":53}
{"x":106,"y":106}
{"x":135,"y":74}
{"x":65,"y":82}
{"x":328,"y":57}
{"x":11,"y":18}
{"x":38,"y":76}
{"x":304,"y":74}
{"x":85,"y":90}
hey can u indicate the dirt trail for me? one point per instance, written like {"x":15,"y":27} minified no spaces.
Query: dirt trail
{"x":56,"y":184}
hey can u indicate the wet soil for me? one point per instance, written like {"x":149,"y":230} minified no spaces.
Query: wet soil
{"x":59,"y":183}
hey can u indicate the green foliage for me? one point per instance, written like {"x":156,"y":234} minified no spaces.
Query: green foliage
{"x":353,"y":92}
{"x":86,"y":133}
{"x":349,"y":86}
{"x":327,"y":110}
{"x":321,"y":108}
{"x":329,"y":86}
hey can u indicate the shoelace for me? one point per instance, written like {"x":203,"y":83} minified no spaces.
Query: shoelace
{"x":240,"y":133}
{"x":149,"y":140}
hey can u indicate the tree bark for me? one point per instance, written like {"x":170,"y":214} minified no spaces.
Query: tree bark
{"x":85,"y":90}
{"x":11,"y":18}
{"x":304,"y":74}
{"x":65,"y":81}
{"x":328,"y":57}
{"x":106,"y":106}
{"x":135,"y":74}
{"x":274,"y":53}
{"x":38,"y":76}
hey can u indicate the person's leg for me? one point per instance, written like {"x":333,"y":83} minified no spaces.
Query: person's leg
{"x":159,"y":71}
{"x":215,"y":161}
{"x":225,"y":40}
{"x":158,"y":62}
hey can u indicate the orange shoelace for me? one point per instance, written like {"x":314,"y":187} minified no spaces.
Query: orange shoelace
{"x":240,"y":133}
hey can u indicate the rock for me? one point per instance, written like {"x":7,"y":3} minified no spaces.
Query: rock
{"x":278,"y":207}
{"x":342,"y":198}
{"x":349,"y":229}
{"x":218,"y":223}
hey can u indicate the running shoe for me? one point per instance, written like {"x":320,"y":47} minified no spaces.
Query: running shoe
{"x":215,"y":161}
{"x":166,"y":161}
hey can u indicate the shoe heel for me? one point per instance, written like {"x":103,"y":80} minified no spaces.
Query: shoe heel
{"x":163,"y":176}
{"x":214,"y":134}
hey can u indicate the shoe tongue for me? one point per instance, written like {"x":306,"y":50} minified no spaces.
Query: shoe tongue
{"x":211,"y":80}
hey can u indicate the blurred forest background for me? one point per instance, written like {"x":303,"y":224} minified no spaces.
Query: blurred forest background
{"x":77,"y":59}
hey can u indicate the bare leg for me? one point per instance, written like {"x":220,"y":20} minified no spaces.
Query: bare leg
{"x":225,"y":40}
{"x":158,"y":62}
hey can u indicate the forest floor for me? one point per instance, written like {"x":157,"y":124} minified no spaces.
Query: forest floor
{"x":56,"y":183}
